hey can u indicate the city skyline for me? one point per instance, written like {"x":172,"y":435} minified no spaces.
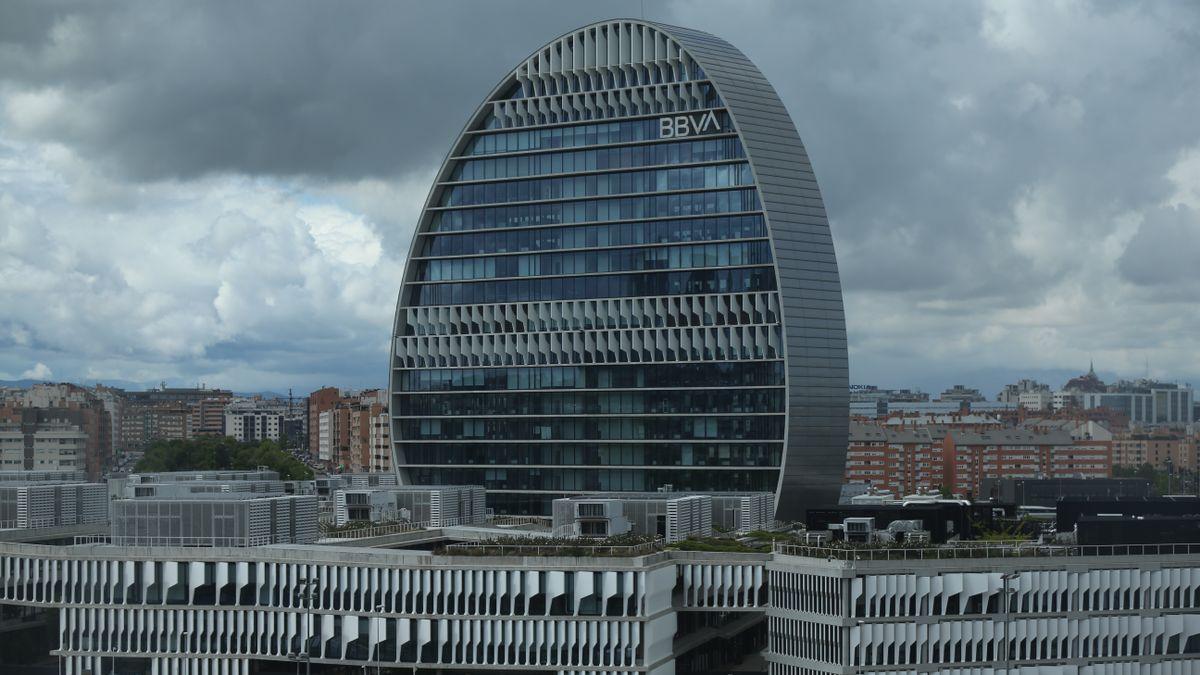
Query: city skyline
{"x":234,"y":231}
{"x":990,"y":382}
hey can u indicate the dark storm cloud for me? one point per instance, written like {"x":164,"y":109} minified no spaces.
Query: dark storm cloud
{"x":338,"y":90}
{"x":1165,"y":252}
{"x":1013,"y":186}
{"x":925,"y":133}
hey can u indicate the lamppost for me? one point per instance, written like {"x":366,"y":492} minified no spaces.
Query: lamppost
{"x":1006,"y":598}
{"x":378,"y":668}
{"x":305,"y":590}
{"x":1170,"y":475}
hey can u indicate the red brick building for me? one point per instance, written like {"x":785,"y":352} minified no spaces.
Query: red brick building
{"x":900,"y":460}
{"x":325,"y":398}
{"x":346,"y":433}
{"x":910,"y":460}
{"x":971,"y":456}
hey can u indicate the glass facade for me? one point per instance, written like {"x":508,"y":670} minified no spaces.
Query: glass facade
{"x":592,"y":300}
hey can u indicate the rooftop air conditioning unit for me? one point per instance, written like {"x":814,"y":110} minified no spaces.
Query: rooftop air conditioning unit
{"x":859,"y":529}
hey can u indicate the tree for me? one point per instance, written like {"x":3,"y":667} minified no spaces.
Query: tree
{"x":1160,"y":482}
{"x":211,"y":453}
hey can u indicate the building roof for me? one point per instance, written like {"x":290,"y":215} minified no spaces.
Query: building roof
{"x":1012,"y":437}
{"x":874,"y":433}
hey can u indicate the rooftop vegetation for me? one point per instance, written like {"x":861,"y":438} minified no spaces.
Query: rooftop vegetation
{"x":221,"y":453}
{"x":625,"y":545}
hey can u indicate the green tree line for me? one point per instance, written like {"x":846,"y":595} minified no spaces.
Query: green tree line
{"x":1178,"y":481}
{"x":212,"y":453}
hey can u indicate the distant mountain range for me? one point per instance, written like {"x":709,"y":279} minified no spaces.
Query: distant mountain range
{"x":141,"y":386}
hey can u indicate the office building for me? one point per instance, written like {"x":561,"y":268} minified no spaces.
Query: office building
{"x":23,"y":476}
{"x":1145,"y":403}
{"x":1012,"y":392}
{"x":1086,"y":610}
{"x":601,"y":282}
{"x":1140,"y":403}
{"x":433,"y":505}
{"x":327,"y":484}
{"x":212,"y":475}
{"x":1036,"y":400}
{"x":674,"y":516}
{"x":961,"y":394}
{"x":189,"y":488}
{"x":865,"y":606}
{"x":870,"y":401}
{"x":174,"y":483}
{"x":41,"y":503}
{"x":213,"y":518}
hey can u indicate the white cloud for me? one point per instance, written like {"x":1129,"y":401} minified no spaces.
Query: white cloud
{"x":343,"y":237}
{"x":30,"y":111}
{"x":39,"y":371}
{"x":1005,"y":181}
{"x":189,"y":277}
{"x":1185,"y":176}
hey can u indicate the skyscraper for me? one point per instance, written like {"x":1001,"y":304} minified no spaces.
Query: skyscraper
{"x":623,"y":279}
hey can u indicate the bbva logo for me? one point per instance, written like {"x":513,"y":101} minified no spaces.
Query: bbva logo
{"x":687,"y":125}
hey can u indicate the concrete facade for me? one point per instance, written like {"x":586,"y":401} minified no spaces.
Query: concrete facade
{"x":219,"y":610}
{"x":947,"y":615}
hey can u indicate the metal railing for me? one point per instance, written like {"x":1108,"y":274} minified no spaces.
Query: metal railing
{"x":555,"y":550}
{"x":39,"y":523}
{"x":46,"y":523}
{"x":215,"y":542}
{"x":391,"y":528}
{"x":966,"y":550}
{"x":501,"y":519}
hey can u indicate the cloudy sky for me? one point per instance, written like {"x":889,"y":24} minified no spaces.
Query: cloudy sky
{"x":224,"y":192}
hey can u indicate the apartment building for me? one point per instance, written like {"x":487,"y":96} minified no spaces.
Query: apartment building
{"x":353,"y":435}
{"x":900,"y":460}
{"x":970,"y":457}
{"x":1163,"y":451}
{"x":910,"y":460}
{"x":74,"y":437}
